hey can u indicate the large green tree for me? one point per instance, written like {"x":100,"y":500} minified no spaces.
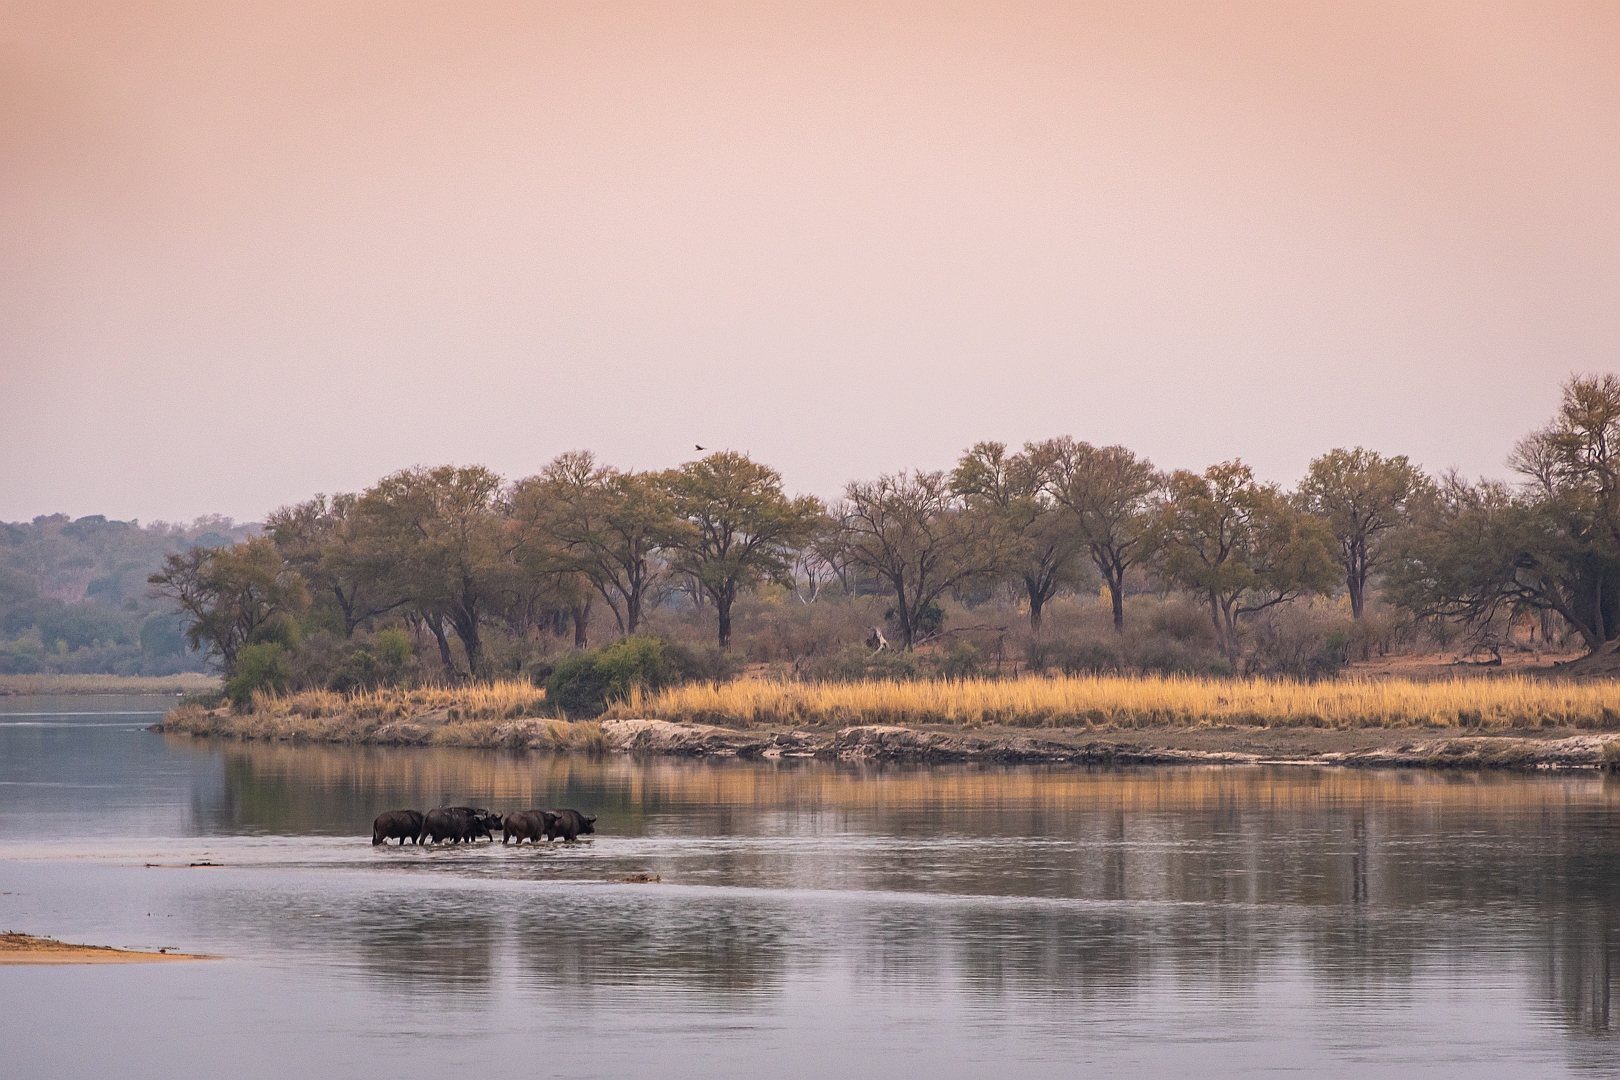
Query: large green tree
{"x":1108,"y":492}
{"x":1240,"y":545}
{"x":1037,"y":536}
{"x":448,"y":548}
{"x":734,"y":527}
{"x":612,"y":524}
{"x":1363,"y":498}
{"x":324,"y":540}
{"x":231,"y":597}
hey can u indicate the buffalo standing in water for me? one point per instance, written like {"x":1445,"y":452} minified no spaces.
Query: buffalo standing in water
{"x":531,"y":825}
{"x":398,"y":825}
{"x":568,"y":824}
{"x":458,"y":823}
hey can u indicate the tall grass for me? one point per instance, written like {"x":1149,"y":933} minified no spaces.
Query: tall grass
{"x":510,"y":700}
{"x":480,"y":715}
{"x":1140,"y":702}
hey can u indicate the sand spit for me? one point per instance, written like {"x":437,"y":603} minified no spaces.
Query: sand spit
{"x":27,"y":949}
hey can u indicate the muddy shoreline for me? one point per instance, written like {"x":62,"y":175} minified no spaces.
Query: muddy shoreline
{"x":1407,"y":747}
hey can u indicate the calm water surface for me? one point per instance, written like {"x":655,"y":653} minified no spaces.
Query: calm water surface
{"x":811,"y":921}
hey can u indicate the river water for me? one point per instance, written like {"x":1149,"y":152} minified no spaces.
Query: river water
{"x":810,"y":920}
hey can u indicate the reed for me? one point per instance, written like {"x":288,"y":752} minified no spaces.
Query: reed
{"x":445,"y":715}
{"x":1146,"y":701}
{"x":483,"y":701}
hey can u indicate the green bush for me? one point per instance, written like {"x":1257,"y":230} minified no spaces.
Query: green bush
{"x":856,"y":663}
{"x":1084,"y":657}
{"x":258,"y":667}
{"x":963,"y":660}
{"x":581,"y":685}
{"x":393,"y":647}
{"x":703,"y":663}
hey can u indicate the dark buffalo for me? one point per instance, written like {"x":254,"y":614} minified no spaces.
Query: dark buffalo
{"x":398,"y":825}
{"x":442,"y":824}
{"x":568,"y":824}
{"x":531,"y":825}
{"x":457,"y":823}
{"x":483,"y":822}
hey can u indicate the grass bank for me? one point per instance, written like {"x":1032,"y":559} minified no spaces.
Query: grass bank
{"x":1138,"y":702}
{"x":1473,"y":723}
{"x":499,"y":714}
{"x":187,"y":683}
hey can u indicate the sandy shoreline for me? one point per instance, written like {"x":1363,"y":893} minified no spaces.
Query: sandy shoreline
{"x":26,"y":949}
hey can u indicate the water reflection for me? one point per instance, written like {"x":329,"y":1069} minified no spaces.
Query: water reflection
{"x":1469,"y":917}
{"x":1005,"y":883}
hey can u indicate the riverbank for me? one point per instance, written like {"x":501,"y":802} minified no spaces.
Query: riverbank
{"x":47,"y":685}
{"x":26,"y":949}
{"x":1213,"y":744}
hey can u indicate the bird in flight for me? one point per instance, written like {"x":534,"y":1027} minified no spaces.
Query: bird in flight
{"x":700,"y":447}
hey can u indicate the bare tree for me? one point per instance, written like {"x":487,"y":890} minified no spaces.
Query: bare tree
{"x":909,"y":530}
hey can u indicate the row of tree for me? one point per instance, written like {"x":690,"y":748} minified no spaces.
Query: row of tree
{"x":454,"y":550}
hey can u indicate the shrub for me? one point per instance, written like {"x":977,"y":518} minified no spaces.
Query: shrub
{"x":857,"y":663}
{"x":581,"y":685}
{"x":963,"y":660}
{"x":705,"y":663}
{"x":258,"y":667}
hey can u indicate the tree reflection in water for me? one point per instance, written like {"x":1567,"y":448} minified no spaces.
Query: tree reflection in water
{"x":1053,"y":884}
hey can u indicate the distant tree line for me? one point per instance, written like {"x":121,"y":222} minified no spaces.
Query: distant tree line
{"x":74,"y":596}
{"x":450,"y":554}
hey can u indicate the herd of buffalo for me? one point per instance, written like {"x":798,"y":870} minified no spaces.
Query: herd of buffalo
{"x":453,"y":824}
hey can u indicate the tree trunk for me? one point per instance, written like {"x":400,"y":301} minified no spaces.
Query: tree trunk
{"x":1116,"y":594}
{"x":906,"y":632}
{"x":435,"y":623}
{"x":1036,"y":602}
{"x":580,"y":615}
{"x":1223,"y":636}
{"x":723,"y":608}
{"x":632,"y":611}
{"x":1355,"y":575}
{"x":346,"y":605}
{"x":1357,"y":585}
{"x":464,"y":620}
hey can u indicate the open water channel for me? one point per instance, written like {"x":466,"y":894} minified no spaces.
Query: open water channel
{"x":811,"y":920}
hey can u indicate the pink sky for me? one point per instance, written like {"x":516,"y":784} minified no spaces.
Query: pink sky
{"x":250,"y":252}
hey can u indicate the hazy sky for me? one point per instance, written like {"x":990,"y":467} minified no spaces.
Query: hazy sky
{"x":253,"y":251}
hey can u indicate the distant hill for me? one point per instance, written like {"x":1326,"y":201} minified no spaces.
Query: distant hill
{"x":74,"y":598}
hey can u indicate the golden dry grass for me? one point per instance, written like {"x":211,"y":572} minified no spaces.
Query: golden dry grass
{"x":448,"y":716}
{"x":486,"y":701}
{"x":1141,"y":702}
